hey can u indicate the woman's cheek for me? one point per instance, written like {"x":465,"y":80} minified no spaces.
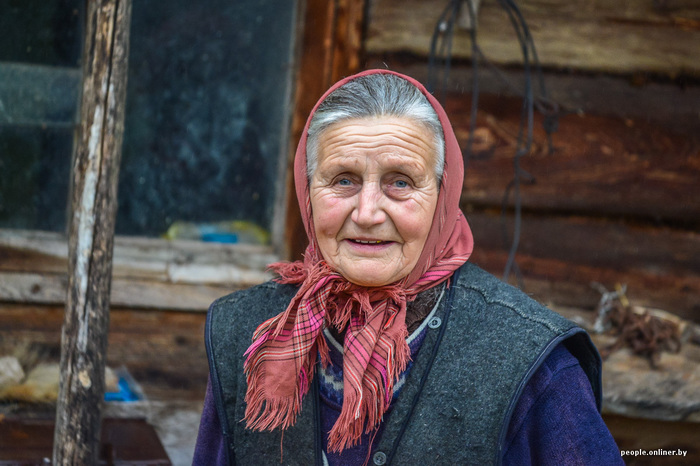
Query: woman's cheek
{"x":413,"y":217}
{"x":329,"y":214}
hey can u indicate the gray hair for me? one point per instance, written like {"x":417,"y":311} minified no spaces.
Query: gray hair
{"x":372,"y":96}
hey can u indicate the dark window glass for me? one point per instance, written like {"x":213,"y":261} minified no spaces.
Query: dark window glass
{"x":206,"y":118}
{"x":39,"y":78}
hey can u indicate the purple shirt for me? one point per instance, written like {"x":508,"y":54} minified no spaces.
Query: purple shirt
{"x":555,"y":422}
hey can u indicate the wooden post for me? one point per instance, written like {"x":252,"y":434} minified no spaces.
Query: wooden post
{"x":93,"y":209}
{"x":331,"y":47}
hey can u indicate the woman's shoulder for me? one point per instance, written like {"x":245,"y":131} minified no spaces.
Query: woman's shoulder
{"x":478,"y":286}
{"x":266,"y":290}
{"x":254,"y":304}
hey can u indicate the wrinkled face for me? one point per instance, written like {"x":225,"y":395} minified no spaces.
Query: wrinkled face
{"x":373,"y":197}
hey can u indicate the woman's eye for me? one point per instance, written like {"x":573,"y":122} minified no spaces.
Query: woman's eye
{"x":344,"y":182}
{"x":401,"y":183}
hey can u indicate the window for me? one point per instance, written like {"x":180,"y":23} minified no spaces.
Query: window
{"x":208,"y":111}
{"x":207,"y":116}
{"x":39,"y":79}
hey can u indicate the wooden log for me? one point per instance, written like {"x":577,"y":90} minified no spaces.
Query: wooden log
{"x":93,"y":209}
{"x":163,"y":350}
{"x":170,"y":261}
{"x":601,"y":165}
{"x":136,"y":293}
{"x":561,"y":257}
{"x":614,"y":37}
{"x":596,"y":242}
{"x":147,"y":272}
{"x":672,"y":106}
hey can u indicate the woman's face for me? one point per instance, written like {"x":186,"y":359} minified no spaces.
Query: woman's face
{"x":373,"y":197}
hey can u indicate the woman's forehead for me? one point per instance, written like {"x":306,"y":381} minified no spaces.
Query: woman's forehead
{"x":394,"y":139}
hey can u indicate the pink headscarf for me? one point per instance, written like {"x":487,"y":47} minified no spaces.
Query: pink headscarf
{"x":281,"y":361}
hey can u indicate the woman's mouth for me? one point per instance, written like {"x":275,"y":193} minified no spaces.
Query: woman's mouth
{"x":371,"y":241}
{"x":365,"y":247}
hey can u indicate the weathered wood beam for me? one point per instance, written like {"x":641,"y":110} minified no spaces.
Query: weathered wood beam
{"x":139,"y":293}
{"x":629,"y":36}
{"x":331,"y":49}
{"x":560,"y":257}
{"x":163,"y":350}
{"x":669,"y":105}
{"x":167,"y":261}
{"x":600,"y":165}
{"x":603,"y":243}
{"x":147,"y":272}
{"x":93,"y":211}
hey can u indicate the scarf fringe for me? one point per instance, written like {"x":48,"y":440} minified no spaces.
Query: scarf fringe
{"x":364,"y":413}
{"x":267,"y":412}
{"x":348,"y":429}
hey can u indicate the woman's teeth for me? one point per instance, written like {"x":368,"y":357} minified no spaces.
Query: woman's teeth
{"x":368,"y":242}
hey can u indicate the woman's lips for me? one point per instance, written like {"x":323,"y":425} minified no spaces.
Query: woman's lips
{"x":368,"y":245}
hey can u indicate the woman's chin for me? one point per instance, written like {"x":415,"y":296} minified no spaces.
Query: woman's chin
{"x":371,"y":277}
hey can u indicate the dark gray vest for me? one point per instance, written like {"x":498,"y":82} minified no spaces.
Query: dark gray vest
{"x":493,"y":340}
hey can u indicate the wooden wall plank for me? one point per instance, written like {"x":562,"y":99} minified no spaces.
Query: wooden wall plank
{"x":163,"y":350}
{"x":28,"y":251}
{"x":147,"y":272}
{"x":597,"y":242}
{"x":601,"y":165}
{"x":673,"y":106}
{"x":629,"y":36}
{"x":560,"y":257}
{"x":47,"y":288}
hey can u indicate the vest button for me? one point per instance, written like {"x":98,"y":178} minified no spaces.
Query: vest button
{"x":379,"y":458}
{"x":435,"y":322}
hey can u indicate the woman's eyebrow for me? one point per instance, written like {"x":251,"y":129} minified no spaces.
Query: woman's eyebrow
{"x":402,"y":162}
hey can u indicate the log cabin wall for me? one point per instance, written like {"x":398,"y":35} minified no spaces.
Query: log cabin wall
{"x":616,"y":198}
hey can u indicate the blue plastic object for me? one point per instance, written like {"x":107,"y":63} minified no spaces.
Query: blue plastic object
{"x":125,"y":392}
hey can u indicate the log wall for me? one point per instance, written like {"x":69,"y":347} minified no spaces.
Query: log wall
{"x":627,"y":36}
{"x":616,"y":198}
{"x":162,"y":350}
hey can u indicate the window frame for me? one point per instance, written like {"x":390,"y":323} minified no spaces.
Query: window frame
{"x":155,"y":273}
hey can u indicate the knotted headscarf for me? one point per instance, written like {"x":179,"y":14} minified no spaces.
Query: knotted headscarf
{"x":281,"y":361}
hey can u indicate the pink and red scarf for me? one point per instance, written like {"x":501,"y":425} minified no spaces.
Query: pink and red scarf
{"x":281,"y":361}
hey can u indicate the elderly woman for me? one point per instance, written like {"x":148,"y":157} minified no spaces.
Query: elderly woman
{"x":385,"y":345}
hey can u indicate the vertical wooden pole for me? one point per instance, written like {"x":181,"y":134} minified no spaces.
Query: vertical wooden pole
{"x":93,"y":210}
{"x":331,"y":49}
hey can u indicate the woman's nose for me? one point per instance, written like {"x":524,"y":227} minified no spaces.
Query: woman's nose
{"x":368,"y":210}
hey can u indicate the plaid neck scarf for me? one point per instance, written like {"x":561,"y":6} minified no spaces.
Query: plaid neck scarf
{"x":281,"y":361}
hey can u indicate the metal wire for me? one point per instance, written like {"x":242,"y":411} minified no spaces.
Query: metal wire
{"x":440,"y":56}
